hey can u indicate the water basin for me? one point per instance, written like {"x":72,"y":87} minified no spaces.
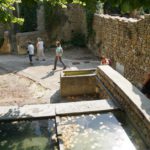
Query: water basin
{"x":27,"y":135}
{"x":98,"y":132}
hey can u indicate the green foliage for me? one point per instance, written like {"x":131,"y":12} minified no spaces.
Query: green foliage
{"x":78,"y":39}
{"x":6,"y":15}
{"x":54,"y":16}
{"x":128,"y":6}
{"x":28,"y":10}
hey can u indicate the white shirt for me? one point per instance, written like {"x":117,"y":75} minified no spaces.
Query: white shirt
{"x":40,"y":45}
{"x":31,"y":49}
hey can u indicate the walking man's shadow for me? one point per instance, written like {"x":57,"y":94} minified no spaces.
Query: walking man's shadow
{"x":51,"y":73}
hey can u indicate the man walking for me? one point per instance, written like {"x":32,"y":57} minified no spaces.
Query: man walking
{"x":59,"y":52}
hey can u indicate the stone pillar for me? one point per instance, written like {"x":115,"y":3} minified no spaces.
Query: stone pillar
{"x":6,"y":47}
{"x":40,"y":18}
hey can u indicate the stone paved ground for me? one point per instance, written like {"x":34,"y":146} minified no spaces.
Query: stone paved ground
{"x":22,"y":84}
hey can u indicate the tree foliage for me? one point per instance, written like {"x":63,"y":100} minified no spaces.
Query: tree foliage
{"x":127,"y":6}
{"x":6,"y":9}
{"x":28,"y":11}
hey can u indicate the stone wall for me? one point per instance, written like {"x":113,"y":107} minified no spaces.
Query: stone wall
{"x":129,"y":98}
{"x":23,"y":38}
{"x":74,"y":21}
{"x":126,"y":42}
{"x":81,"y":82}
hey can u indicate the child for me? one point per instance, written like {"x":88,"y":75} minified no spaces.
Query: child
{"x":30,"y":51}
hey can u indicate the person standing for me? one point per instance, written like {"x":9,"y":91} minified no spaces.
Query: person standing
{"x":59,"y":52}
{"x":105,"y":61}
{"x":40,"y":49}
{"x":30,"y":51}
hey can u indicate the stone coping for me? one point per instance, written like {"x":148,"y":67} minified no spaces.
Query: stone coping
{"x":29,"y":33}
{"x":85,"y":107}
{"x":76,"y":73}
{"x":51,"y":110}
{"x":141,"y":102}
{"x":124,"y":19}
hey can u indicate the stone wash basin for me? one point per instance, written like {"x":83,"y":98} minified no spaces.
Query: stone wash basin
{"x":78,"y":82}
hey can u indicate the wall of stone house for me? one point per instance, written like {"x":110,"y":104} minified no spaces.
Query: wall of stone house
{"x":74,"y":21}
{"x":126,"y":42}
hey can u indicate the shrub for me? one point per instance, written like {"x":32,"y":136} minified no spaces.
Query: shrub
{"x":78,"y":39}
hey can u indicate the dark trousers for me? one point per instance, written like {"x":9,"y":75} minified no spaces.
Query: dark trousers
{"x":30,"y":57}
{"x":56,"y":59}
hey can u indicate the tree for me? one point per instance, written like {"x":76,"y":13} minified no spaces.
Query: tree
{"x":129,"y":6}
{"x":6,"y":9}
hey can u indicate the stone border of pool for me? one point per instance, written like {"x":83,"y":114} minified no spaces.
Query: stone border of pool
{"x":52,"y":110}
{"x":131,"y":100}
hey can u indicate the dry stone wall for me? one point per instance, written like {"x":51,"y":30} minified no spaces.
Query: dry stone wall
{"x":23,"y":38}
{"x":126,"y":42}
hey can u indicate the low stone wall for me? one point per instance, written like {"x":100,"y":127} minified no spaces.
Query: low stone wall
{"x":23,"y":38}
{"x":77,"y":84}
{"x":132,"y":101}
{"x":126,"y":41}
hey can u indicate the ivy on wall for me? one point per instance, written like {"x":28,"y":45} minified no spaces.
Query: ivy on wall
{"x":28,"y":10}
{"x":54,"y":16}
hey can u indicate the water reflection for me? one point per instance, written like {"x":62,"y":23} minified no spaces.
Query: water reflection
{"x":27,"y":135}
{"x":95,"y":132}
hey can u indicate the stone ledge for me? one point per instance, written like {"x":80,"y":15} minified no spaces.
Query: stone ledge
{"x":123,"y":19}
{"x":85,"y":107}
{"x":138,"y":99}
{"x":51,"y":110}
{"x":27,"y":112}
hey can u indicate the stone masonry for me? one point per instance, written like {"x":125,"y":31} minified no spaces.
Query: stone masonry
{"x":126,"y":41}
{"x":74,"y":22}
{"x":131,"y":100}
{"x":23,"y":38}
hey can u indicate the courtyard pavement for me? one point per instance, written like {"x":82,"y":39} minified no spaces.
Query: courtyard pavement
{"x":41,"y":71}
